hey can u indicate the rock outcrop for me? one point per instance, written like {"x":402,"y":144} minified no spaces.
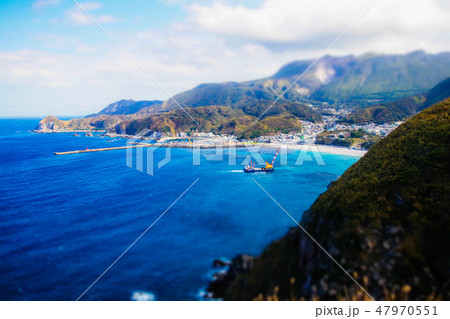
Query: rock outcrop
{"x":222,"y":280}
{"x":51,"y":123}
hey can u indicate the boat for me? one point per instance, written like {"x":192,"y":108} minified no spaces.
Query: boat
{"x":251,"y":168}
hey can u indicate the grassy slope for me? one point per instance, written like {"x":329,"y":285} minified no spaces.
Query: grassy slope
{"x":386,"y":221}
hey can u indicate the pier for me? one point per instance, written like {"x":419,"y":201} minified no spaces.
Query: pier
{"x":102,"y":149}
{"x":169,"y":144}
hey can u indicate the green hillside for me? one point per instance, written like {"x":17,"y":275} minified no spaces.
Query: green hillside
{"x":401,"y":109}
{"x":386,"y":220}
{"x":220,"y":119}
{"x":224,"y":94}
{"x":281,"y":117}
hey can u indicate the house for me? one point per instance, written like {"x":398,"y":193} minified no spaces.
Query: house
{"x":344,"y":135}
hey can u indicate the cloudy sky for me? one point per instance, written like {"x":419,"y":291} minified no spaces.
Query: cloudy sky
{"x":55,"y":60}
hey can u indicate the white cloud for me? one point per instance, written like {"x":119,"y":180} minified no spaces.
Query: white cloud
{"x":90,"y":5}
{"x":316,"y":23}
{"x":45,"y":3}
{"x":219,"y":42}
{"x":106,"y":18}
{"x":83,"y":48}
{"x":96,"y":75}
{"x":78,"y":17}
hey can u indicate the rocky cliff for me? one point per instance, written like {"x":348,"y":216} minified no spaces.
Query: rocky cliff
{"x":102,"y":122}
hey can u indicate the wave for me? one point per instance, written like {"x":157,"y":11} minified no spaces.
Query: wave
{"x":203,"y":295}
{"x":143,"y":296}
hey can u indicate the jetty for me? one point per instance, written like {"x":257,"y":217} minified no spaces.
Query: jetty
{"x":102,"y":149}
{"x":161,"y":143}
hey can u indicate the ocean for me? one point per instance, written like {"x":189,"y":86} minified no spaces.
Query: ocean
{"x":65,"y":219}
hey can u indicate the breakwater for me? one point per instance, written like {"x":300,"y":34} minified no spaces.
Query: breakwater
{"x":170,"y":144}
{"x":101,"y":149}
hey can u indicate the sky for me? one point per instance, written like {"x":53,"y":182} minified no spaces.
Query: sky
{"x":54,"y":60}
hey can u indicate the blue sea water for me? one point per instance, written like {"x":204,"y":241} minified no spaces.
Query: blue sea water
{"x":65,"y":219}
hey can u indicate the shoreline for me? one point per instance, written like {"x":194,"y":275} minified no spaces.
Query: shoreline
{"x":323,"y":149}
{"x":336,"y":150}
{"x":65,"y":131}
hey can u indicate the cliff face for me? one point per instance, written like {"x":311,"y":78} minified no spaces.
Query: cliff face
{"x":51,"y":123}
{"x":386,"y":221}
{"x":102,"y":122}
{"x":112,"y":115}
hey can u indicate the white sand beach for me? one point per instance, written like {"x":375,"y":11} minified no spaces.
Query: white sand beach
{"x":321,"y":148}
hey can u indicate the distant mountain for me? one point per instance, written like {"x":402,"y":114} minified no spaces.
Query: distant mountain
{"x":126,"y":107}
{"x":401,"y":109}
{"x":331,"y":79}
{"x":386,"y":221}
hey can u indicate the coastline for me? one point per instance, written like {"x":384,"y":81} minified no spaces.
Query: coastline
{"x":66,"y":131}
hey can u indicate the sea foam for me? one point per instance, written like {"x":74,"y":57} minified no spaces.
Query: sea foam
{"x":143,"y":296}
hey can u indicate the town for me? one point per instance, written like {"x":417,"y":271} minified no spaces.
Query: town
{"x":330,"y":132}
